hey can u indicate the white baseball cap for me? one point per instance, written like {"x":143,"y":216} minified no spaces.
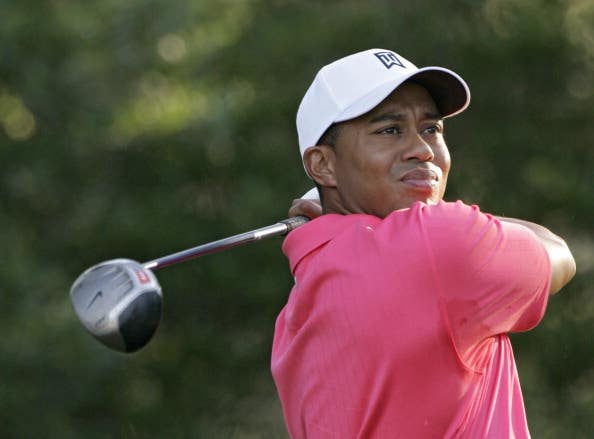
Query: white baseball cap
{"x":353,"y":85}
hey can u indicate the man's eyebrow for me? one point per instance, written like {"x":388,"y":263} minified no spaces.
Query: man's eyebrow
{"x":388,"y":117}
{"x":430,"y":115}
{"x":399,"y":117}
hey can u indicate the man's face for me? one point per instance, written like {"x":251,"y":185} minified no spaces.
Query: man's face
{"x":392,"y":156}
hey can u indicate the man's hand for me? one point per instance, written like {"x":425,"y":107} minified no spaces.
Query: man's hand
{"x":309,"y":208}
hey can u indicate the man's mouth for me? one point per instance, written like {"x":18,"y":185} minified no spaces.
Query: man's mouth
{"x":421,"y":178}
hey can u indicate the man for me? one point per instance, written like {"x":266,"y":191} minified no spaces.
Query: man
{"x":396,"y":326}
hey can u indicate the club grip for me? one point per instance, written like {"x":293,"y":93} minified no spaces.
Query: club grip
{"x":294,"y":222}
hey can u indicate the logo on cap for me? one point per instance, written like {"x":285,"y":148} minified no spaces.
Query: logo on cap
{"x":389,"y":59}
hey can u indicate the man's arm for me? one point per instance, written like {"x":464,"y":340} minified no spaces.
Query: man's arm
{"x":562,"y":262}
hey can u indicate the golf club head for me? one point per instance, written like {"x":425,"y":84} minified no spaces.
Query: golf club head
{"x":119,"y":302}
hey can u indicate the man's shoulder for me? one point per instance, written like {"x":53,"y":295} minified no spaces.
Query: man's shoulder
{"x":442,"y":214}
{"x":451,"y":209}
{"x":451,"y":218}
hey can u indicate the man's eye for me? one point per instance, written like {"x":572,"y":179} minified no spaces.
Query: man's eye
{"x":433,"y":129}
{"x":390,"y":131}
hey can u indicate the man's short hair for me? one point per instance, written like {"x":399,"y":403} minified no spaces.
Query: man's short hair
{"x":330,"y":136}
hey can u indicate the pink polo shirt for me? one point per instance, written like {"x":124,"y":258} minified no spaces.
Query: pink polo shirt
{"x":396,"y":328}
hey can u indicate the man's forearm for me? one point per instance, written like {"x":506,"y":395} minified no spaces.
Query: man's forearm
{"x":562,"y":262}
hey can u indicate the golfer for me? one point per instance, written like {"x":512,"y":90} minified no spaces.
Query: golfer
{"x":397,"y":324}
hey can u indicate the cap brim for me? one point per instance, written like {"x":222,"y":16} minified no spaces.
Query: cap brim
{"x":449,"y":91}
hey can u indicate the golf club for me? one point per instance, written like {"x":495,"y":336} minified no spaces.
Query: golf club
{"x":120,"y":301}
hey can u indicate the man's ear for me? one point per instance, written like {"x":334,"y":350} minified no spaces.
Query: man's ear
{"x":319,"y":164}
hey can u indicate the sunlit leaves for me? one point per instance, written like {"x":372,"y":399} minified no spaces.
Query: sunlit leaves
{"x":18,"y":121}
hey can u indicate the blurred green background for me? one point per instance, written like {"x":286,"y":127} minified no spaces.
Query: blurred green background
{"x":139,"y":128}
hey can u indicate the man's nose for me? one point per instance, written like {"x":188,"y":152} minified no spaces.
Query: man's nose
{"x":418,"y":149}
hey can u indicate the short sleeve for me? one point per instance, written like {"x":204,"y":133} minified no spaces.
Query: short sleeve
{"x":493,"y":277}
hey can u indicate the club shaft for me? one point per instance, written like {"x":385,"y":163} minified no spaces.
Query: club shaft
{"x":281,"y":228}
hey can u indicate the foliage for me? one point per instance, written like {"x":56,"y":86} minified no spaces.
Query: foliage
{"x":140,"y":128}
